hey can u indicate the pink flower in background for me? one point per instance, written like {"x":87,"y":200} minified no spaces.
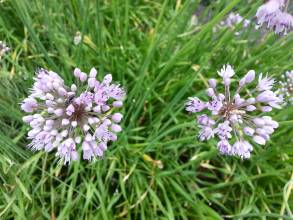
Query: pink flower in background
{"x":71,"y":118}
{"x":273,"y":14}
{"x":235,"y":118}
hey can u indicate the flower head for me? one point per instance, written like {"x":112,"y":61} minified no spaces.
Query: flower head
{"x":273,"y":15}
{"x":234,"y":118}
{"x":69,"y":118}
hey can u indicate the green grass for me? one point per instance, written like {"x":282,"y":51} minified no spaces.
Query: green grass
{"x":157,"y":169}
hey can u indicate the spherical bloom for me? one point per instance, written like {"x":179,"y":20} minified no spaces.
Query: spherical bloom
{"x":3,"y":49}
{"x":67,"y":119}
{"x":273,"y":15}
{"x":286,"y":88}
{"x":234,"y":117}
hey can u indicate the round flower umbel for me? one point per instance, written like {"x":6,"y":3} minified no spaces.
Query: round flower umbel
{"x":232,"y":116}
{"x":286,"y":88}
{"x":68,"y":118}
{"x":274,"y":14}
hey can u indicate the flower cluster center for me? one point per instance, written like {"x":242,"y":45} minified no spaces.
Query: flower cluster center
{"x":227,"y":109}
{"x":78,"y":113}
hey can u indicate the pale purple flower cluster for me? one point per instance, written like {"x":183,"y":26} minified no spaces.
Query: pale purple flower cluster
{"x":235,"y":117}
{"x":273,"y":14}
{"x":69,"y":118}
{"x":234,"y":19}
{"x":3,"y":49}
{"x":286,"y":88}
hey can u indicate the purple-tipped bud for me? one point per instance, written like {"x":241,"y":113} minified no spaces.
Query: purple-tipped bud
{"x":212,"y":83}
{"x":77,"y":140}
{"x":65,"y":121}
{"x":259,"y":122}
{"x":259,"y":140}
{"x":250,"y":76}
{"x":105,"y":108}
{"x":82,"y":77}
{"x":103,"y":146}
{"x":29,"y":105}
{"x":58,"y":112}
{"x":117,"y":117}
{"x":73,"y":88}
{"x":91,"y":121}
{"x":77,"y":72}
{"x":93,"y":73}
{"x":74,"y":124}
{"x":70,"y":110}
{"x":62,"y":91}
{"x":49,"y":122}
{"x":116,"y":128}
{"x":250,"y":100}
{"x":250,"y":108}
{"x":117,"y":104}
{"x":210,"y":92}
{"x":242,"y":82}
{"x":86,"y":127}
{"x":64,"y":133}
{"x":248,"y":131}
{"x":27,"y":119}
{"x":266,"y":108}
{"x":88,"y":137}
{"x":108,"y":79}
{"x":49,"y":96}
{"x":268,"y":129}
{"x":91,"y":82}
{"x":97,"y":109}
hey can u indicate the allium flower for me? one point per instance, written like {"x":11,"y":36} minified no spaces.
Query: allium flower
{"x":70,"y":118}
{"x":233,"y":19}
{"x":3,"y":49}
{"x":234,"y":117}
{"x":274,"y":15}
{"x":286,"y":88}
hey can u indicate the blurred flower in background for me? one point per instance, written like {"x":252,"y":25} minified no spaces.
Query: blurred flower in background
{"x":286,"y":88}
{"x":3,"y":49}
{"x":69,"y":118}
{"x":236,"y":116}
{"x":232,"y":20}
{"x":275,"y":16}
{"x":77,"y":38}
